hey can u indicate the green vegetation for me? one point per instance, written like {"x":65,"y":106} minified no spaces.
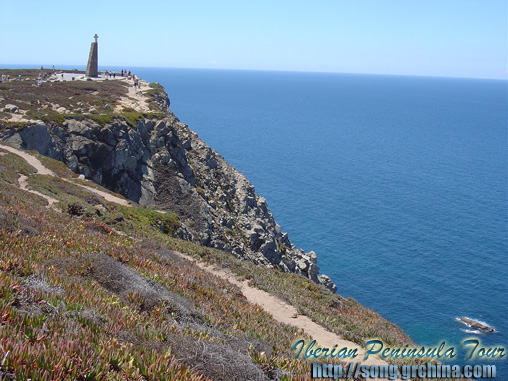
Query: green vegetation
{"x":50,"y":116}
{"x":54,"y":102}
{"x":135,"y":116}
{"x":81,"y":301}
{"x":156,"y":90}
{"x":75,"y":96}
{"x":131,"y":118}
{"x":9,"y":161}
{"x":93,"y":290}
{"x":155,"y":95}
{"x":167,"y":223}
{"x":231,"y":232}
{"x":200,"y":190}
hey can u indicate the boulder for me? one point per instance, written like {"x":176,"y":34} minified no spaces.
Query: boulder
{"x":11,"y":108}
{"x":476,"y":324}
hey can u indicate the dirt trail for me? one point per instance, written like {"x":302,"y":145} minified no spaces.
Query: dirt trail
{"x":30,"y":159}
{"x":287,"y":314}
{"x":280,"y":310}
{"x":135,"y":97}
{"x":23,"y":184}
{"x":42,"y":170}
{"x":105,"y":195}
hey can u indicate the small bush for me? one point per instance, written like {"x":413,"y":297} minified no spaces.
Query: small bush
{"x":167,"y":223}
{"x":75,"y":209}
{"x":231,"y":232}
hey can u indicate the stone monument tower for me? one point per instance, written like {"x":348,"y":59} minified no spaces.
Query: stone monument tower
{"x":93,"y":59}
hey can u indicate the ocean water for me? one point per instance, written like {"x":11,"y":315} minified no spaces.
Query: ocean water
{"x":399,"y":184}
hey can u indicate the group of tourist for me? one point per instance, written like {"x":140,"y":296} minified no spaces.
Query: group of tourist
{"x":109,"y":74}
{"x":137,"y":82}
{"x":123,"y":74}
{"x":112,"y":74}
{"x":7,"y":78}
{"x":105,"y":74}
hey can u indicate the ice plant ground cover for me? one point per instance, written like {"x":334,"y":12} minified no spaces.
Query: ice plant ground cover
{"x":93,"y":290}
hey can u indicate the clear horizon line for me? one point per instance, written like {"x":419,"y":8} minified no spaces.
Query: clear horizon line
{"x":2,"y":66}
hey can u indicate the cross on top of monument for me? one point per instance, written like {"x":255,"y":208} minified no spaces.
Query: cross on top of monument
{"x":96,"y":37}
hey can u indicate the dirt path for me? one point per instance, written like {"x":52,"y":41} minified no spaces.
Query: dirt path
{"x":280,"y":310}
{"x":23,"y":184}
{"x":135,"y":97}
{"x":30,"y":159}
{"x":287,"y":314}
{"x":42,"y":170}
{"x":105,"y":195}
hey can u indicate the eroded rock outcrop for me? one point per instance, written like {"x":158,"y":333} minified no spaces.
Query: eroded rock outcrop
{"x":160,"y":162}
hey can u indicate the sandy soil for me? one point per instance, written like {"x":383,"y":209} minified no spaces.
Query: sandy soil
{"x":135,"y":97}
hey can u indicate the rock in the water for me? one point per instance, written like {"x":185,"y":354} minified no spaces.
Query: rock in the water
{"x":475,"y":324}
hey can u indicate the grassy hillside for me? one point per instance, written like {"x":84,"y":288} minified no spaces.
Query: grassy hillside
{"x":93,"y":290}
{"x":96,"y":290}
{"x":56,"y":100}
{"x":80,"y":301}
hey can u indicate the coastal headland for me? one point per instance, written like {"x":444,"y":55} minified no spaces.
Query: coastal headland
{"x":162,"y":261}
{"x":121,"y":134}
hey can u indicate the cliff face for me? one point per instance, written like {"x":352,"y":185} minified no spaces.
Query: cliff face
{"x":160,"y":162}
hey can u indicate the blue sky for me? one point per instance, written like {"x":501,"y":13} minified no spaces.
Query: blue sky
{"x":453,"y":38}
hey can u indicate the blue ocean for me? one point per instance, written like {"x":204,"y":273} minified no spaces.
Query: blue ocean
{"x":399,"y":184}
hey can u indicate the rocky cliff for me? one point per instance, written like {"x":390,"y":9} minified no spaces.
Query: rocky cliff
{"x":157,"y":161}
